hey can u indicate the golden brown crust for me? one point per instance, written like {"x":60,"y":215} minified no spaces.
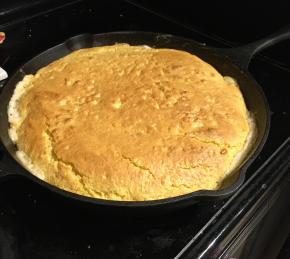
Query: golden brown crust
{"x":131,"y":123}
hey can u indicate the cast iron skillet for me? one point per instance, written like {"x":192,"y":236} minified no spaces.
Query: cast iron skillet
{"x":231,"y":62}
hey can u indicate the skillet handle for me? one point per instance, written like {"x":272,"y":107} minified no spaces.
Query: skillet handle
{"x":242,"y":55}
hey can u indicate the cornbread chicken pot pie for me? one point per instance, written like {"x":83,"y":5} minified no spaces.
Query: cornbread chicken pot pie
{"x":129,"y":123}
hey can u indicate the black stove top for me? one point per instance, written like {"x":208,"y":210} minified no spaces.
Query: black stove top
{"x":35,"y":223}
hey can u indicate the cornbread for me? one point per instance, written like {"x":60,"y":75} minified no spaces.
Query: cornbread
{"x":129,"y":123}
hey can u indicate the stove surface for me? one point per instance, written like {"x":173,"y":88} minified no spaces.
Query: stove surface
{"x":34,"y":223}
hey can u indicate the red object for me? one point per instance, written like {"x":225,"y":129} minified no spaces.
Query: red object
{"x":2,"y":37}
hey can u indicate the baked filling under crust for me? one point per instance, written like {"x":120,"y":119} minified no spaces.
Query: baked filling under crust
{"x":129,"y":123}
